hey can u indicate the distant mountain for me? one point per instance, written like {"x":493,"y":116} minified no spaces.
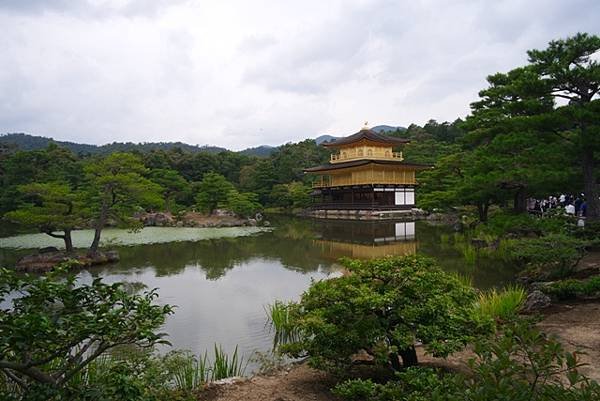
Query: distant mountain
{"x":259,"y":151}
{"x":33,"y":142}
{"x":379,"y":128}
{"x":387,"y":128}
{"x":325,"y":138}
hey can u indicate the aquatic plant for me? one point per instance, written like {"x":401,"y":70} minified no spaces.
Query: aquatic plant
{"x":469,"y":253}
{"x":225,"y":366}
{"x":188,"y":372}
{"x":280,"y":318}
{"x":501,"y":305}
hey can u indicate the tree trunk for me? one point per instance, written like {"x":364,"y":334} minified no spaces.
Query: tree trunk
{"x":482,"y":210}
{"x":409,"y":357}
{"x":590,"y":185}
{"x":68,"y":241}
{"x":520,"y":202}
{"x":395,"y":361}
{"x":100,"y":223}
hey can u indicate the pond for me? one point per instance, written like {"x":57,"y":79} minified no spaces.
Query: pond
{"x":221,"y":280}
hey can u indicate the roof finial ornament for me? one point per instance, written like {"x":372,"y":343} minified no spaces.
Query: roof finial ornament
{"x":366,"y":125}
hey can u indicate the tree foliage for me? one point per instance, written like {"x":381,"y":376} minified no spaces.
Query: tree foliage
{"x":117,"y":187}
{"x":212,"y":191}
{"x":57,"y":325}
{"x":243,"y":204}
{"x":383,"y":307}
{"x":54,"y":207}
{"x":518,"y":363}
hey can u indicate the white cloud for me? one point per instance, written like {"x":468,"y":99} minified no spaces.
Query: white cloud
{"x":240,"y":74}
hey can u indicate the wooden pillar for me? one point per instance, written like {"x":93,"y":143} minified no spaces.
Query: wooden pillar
{"x":372,"y":197}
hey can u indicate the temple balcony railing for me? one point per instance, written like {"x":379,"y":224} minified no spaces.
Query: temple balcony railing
{"x":340,"y":157}
{"x":410,"y":180}
{"x":321,"y":184}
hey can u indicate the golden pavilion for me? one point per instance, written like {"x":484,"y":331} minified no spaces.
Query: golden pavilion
{"x":365,"y":172}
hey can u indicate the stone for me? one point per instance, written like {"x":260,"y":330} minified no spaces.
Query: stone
{"x":252,"y":222}
{"x":587,"y":266}
{"x":48,"y":249}
{"x":479,"y":243}
{"x":44,"y":262}
{"x":223,"y":213}
{"x":157,"y":219}
{"x":41,"y":262}
{"x":535,"y":301}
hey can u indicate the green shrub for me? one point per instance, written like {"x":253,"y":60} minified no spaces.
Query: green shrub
{"x":519,"y":363}
{"x":58,"y":326}
{"x":550,"y":257}
{"x":384,"y":306}
{"x":571,"y":288}
{"x":590,"y":232}
{"x":503,"y":223}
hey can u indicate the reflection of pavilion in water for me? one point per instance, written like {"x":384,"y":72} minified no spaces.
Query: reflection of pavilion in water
{"x":366,"y":239}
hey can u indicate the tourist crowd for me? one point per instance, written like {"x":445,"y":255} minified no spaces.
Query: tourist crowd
{"x":573,"y":205}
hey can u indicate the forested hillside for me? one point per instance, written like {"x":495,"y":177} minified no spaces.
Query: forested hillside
{"x":275,"y":175}
{"x":33,"y":142}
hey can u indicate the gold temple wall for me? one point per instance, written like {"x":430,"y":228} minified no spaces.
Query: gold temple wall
{"x":366,"y":152}
{"x":336,"y":250}
{"x":369,"y":175}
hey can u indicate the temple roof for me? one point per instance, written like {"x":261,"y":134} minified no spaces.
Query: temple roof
{"x":367,"y":134}
{"x":357,"y":163}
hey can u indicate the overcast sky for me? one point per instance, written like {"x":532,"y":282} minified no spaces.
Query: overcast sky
{"x":250,"y":72}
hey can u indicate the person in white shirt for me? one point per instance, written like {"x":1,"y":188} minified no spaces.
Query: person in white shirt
{"x":562,"y":199}
{"x":570,"y":210}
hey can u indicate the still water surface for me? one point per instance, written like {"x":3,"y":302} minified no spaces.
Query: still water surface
{"x":222,"y":279}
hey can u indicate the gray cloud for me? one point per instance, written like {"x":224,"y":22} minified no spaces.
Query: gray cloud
{"x":240,"y":73}
{"x":88,"y":8}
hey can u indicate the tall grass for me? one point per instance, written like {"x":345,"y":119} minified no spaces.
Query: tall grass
{"x":190,"y":372}
{"x":280,"y":318}
{"x":501,"y":305}
{"x":8,"y":386}
{"x":469,"y":254}
{"x":465,"y":279}
{"x":225,"y":366}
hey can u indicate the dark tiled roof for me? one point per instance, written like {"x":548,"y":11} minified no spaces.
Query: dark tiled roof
{"x":356,"y":163}
{"x":369,"y":135}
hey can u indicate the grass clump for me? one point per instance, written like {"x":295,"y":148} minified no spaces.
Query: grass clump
{"x":501,"y":305}
{"x":188,"y":372}
{"x":225,"y":366}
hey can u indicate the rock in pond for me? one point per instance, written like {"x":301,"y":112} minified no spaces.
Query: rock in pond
{"x":43,"y":262}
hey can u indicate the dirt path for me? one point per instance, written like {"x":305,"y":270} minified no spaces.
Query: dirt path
{"x":577,"y":326}
{"x":300,"y":383}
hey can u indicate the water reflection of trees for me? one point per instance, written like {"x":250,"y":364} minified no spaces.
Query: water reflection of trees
{"x":216,"y":256}
{"x":303,"y":245}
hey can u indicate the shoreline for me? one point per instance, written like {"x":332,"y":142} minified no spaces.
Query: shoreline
{"x":575,"y":324}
